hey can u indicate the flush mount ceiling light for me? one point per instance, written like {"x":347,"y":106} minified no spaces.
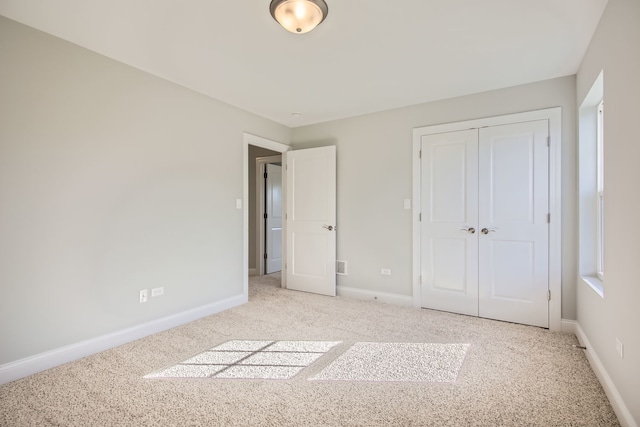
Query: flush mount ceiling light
{"x":299,"y":16}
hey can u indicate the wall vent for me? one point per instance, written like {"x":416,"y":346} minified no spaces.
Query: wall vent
{"x":341,"y":267}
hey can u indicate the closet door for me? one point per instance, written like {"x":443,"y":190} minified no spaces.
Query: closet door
{"x":449,"y":264}
{"x":513,"y":225}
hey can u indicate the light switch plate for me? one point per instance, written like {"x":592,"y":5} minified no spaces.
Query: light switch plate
{"x":619,"y":348}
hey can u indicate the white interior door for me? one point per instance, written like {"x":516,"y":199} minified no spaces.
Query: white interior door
{"x":449,"y":265}
{"x":513,"y":222}
{"x":485,"y":231}
{"x":273,"y":211}
{"x":311,"y":220}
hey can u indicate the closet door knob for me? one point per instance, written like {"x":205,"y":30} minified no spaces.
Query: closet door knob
{"x":469,"y":230}
{"x":487,"y":230}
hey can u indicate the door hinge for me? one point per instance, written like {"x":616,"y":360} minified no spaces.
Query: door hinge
{"x":548,"y":141}
{"x":548,"y":218}
{"x":265,"y":256}
{"x":265,"y":216}
{"x":549,"y":295}
{"x":265,"y":175}
{"x":419,"y":217}
{"x":420,"y":154}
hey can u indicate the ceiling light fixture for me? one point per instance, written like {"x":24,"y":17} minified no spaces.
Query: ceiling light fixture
{"x":299,"y":16}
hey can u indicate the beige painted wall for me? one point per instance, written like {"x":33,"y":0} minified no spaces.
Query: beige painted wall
{"x":375,"y":175}
{"x":111,"y":181}
{"x":615,"y":48}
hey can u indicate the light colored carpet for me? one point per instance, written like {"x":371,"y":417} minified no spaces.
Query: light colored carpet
{"x":510,"y":375}
{"x":282,"y":360}
{"x":420,"y":362}
{"x":247,"y":359}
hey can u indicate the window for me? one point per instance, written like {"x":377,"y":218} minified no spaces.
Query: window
{"x":591,"y":187}
{"x":600,"y":192}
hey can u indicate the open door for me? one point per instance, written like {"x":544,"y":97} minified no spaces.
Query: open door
{"x":273,"y":218}
{"x":311,"y":220}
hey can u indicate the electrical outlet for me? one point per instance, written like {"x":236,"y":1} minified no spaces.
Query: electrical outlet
{"x":144,"y":296}
{"x":619,"y":348}
{"x":385,"y":272}
{"x":156,"y":292}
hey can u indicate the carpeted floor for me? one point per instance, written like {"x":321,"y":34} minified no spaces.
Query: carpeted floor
{"x":506,"y":374}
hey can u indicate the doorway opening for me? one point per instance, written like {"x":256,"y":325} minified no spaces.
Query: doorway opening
{"x":309,"y":194}
{"x":254,"y":147}
{"x":268,"y":215}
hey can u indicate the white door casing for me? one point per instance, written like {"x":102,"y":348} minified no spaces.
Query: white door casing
{"x":273,"y":238}
{"x":513,"y":208}
{"x":533,"y":154}
{"x":248,"y":140}
{"x":311,"y":220}
{"x":449,"y":216}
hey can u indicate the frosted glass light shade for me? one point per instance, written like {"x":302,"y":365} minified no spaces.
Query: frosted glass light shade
{"x":299,"y":16}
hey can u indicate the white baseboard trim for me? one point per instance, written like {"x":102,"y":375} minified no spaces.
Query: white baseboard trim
{"x":253,"y":272}
{"x":619,"y":407}
{"x":568,"y":326}
{"x":395,"y":299}
{"x":43,"y":361}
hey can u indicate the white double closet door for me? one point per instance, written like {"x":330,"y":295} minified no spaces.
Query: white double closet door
{"x":485,"y":231}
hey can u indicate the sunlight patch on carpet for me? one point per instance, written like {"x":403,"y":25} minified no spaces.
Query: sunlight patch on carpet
{"x":413,"y":362}
{"x":246,"y":359}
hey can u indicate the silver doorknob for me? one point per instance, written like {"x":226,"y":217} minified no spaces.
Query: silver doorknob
{"x":487,"y":230}
{"x":469,"y":230}
{"x":328,"y":227}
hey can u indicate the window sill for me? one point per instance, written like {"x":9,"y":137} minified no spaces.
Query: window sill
{"x":595,"y":284}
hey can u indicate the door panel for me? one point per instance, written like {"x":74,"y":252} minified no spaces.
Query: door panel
{"x":507,"y":161}
{"x":448,"y":166}
{"x":450,"y":197}
{"x":311,"y":220}
{"x":514,"y":203}
{"x":519,"y":270}
{"x":308,"y":248}
{"x":274,"y":218}
{"x":310,"y":191}
{"x":447,"y":255}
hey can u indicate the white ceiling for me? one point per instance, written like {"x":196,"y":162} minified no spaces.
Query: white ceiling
{"x":367,"y":56}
